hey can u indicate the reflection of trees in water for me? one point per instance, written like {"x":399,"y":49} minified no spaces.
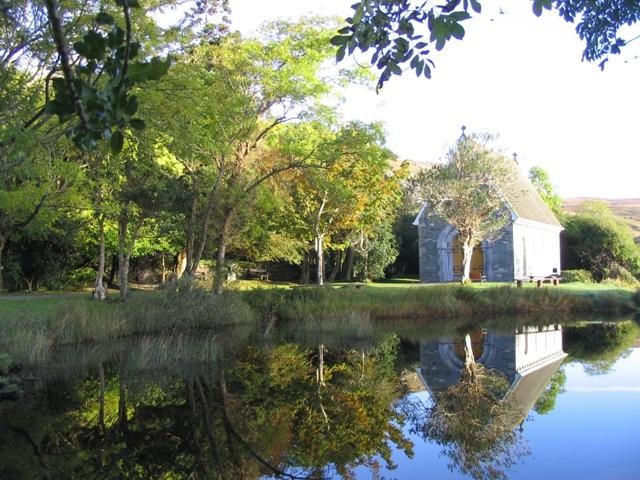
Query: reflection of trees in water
{"x":598,"y":346}
{"x":547,"y":401}
{"x":474,"y":421}
{"x":265,"y":411}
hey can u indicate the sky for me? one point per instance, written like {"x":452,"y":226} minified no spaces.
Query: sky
{"x":514,"y":75}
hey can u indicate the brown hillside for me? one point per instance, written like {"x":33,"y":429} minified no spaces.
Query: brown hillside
{"x":626,"y":208}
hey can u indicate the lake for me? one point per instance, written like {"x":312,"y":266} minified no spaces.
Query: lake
{"x":361,"y":399}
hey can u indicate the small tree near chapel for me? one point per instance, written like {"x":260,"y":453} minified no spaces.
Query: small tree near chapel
{"x":466,"y":192}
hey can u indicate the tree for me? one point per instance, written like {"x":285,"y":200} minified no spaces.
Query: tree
{"x":342,"y":204}
{"x":475,"y":421}
{"x":194,"y":407}
{"x":539,"y":177}
{"x":547,"y":400}
{"x":598,"y":346}
{"x":401,"y":31}
{"x":37,"y":177}
{"x":248,"y":91}
{"x":595,"y":240}
{"x":466,"y":193}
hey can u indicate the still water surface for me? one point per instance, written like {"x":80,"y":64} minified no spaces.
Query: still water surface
{"x":357,"y":399}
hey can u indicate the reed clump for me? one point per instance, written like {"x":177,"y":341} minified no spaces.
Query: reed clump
{"x":30,"y":337}
{"x":443,"y":301}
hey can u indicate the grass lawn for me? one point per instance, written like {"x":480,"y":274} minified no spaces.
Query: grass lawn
{"x":393,"y":292}
{"x":31,"y":325}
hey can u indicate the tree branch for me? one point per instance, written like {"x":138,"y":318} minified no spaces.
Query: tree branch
{"x":61,"y":47}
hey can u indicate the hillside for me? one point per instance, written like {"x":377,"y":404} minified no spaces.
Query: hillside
{"x":627,"y":208}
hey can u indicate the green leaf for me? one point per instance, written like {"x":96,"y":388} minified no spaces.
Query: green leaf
{"x":103,"y":18}
{"x":94,"y":45}
{"x":137,"y":123}
{"x":116,"y":37}
{"x":339,"y":40}
{"x":145,"y":71}
{"x":132,"y":105}
{"x":395,"y":68}
{"x":63,"y":110}
{"x":460,"y":16}
{"x":340,"y":53}
{"x":537,"y":7}
{"x":457,"y":31}
{"x":129,"y":3}
{"x":117,"y":141}
{"x":60,"y":87}
{"x":134,"y":49}
{"x":359,"y":13}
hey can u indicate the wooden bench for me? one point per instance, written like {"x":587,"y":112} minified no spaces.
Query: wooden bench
{"x":257,"y":273}
{"x":539,"y":281}
{"x":477,"y":277}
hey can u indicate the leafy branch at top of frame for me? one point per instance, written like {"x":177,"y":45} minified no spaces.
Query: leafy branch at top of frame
{"x":394,"y":29}
{"x":404,"y":31}
{"x":94,"y":91}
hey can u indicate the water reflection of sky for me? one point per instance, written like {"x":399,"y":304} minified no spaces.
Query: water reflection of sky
{"x":592,"y":433}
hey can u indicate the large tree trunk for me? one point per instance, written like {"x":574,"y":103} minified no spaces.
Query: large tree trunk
{"x":203,"y":239}
{"x":319,"y":248}
{"x":223,"y":240}
{"x":191,"y":234}
{"x":181,"y":263}
{"x":3,"y":241}
{"x":467,"y":253}
{"x":305,"y":270}
{"x":123,"y":253}
{"x":337,"y":264}
{"x":99,"y":291}
{"x":365,"y":266}
{"x":206,"y":220}
{"x":319,"y":241}
{"x":469,"y":372}
{"x":347,"y":267}
{"x":112,"y":273}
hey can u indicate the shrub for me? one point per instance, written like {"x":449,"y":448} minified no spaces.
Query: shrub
{"x":622,"y":276}
{"x":582,"y":276}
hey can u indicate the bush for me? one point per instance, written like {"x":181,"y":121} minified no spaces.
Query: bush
{"x":622,"y":276}
{"x":598,"y":241}
{"x":582,"y":276}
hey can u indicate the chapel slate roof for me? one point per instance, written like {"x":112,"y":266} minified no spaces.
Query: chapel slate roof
{"x":526,"y":202}
{"x":528,"y":387}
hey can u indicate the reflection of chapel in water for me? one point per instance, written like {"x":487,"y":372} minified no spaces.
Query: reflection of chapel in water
{"x":528,"y":358}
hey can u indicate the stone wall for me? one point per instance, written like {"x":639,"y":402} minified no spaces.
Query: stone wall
{"x":428,"y":231}
{"x":499,"y":261}
{"x":498,"y":254}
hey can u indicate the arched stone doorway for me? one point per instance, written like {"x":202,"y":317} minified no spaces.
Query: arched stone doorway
{"x":477,"y":260}
{"x":450,"y":257}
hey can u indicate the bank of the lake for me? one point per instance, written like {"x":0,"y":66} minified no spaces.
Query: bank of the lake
{"x":41,"y":321}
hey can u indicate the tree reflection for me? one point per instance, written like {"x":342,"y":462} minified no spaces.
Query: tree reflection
{"x":264,"y":410}
{"x":547,"y":401}
{"x":474,"y":422}
{"x":598,"y":346}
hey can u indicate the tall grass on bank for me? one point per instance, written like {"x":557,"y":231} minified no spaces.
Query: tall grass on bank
{"x":446,"y":301}
{"x":30,"y":337}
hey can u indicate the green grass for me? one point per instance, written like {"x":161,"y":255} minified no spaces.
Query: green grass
{"x":31,"y":326}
